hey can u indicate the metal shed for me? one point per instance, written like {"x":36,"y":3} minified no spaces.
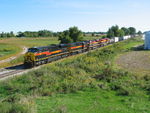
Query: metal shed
{"x":147,"y":40}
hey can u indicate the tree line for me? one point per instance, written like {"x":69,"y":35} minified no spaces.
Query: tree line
{"x":115,"y":31}
{"x":41,"y":33}
{"x":7,"y":35}
{"x":73,"y":34}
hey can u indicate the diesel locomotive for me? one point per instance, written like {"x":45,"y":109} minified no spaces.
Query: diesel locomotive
{"x":41,"y":55}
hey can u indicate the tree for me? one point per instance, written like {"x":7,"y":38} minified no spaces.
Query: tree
{"x":20,"y":34}
{"x":132,"y":30}
{"x":55,"y":34}
{"x":41,"y":33}
{"x":113,"y":31}
{"x":139,"y":33}
{"x":71,"y":35}
{"x":110,"y":33}
{"x":3,"y":35}
{"x":93,"y":34}
{"x":12,"y":34}
{"x":64,"y":37}
{"x":120,"y":33}
{"x":75,"y":34}
{"x":45,"y":33}
{"x":104,"y":36}
{"x":8,"y":35}
{"x":126,"y":31}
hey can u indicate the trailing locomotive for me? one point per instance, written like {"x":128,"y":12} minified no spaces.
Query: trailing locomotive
{"x":42,"y":55}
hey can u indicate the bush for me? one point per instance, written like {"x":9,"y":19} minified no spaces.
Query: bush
{"x":6,"y":107}
{"x":123,"y":91}
{"x":58,"y":109}
{"x":146,"y":77}
{"x":107,"y":73}
{"x":147,"y":87}
{"x":19,"y":108}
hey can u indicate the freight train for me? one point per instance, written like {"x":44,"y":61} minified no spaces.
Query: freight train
{"x":42,"y":55}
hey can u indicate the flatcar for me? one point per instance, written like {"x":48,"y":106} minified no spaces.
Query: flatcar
{"x":41,"y":55}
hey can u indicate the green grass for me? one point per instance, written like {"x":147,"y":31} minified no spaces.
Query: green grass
{"x":7,"y":50}
{"x":30,"y":42}
{"x":62,"y":85}
{"x":92,"y":101}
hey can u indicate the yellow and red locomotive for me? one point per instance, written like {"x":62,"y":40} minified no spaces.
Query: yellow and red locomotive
{"x":41,"y":55}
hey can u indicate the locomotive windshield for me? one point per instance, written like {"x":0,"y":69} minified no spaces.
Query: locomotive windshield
{"x":33,"y":50}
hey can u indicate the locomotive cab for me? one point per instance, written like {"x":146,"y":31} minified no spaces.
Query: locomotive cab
{"x":29,"y":57}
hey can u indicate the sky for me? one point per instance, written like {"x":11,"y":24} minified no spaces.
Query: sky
{"x":87,"y":15}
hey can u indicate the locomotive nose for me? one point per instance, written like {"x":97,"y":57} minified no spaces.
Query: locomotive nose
{"x":29,"y":57}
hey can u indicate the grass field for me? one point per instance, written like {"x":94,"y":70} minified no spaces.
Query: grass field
{"x":92,"y":101}
{"x":30,"y":42}
{"x":84,"y":83}
{"x":7,"y":50}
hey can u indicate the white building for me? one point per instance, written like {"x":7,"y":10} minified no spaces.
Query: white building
{"x":147,"y":40}
{"x":116,"y":39}
{"x":143,"y":37}
{"x":126,"y":37}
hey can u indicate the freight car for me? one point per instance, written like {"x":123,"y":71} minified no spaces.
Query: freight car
{"x":42,"y":55}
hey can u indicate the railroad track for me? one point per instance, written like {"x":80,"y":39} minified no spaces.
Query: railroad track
{"x":10,"y":73}
{"x":14,"y":70}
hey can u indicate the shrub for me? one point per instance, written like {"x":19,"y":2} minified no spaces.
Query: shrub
{"x":146,"y":77}
{"x":13,"y":98}
{"x":147,"y":87}
{"x":19,"y":108}
{"x":6,"y":107}
{"x":107,"y":73}
{"x":123,"y":91}
{"x":58,"y":109}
